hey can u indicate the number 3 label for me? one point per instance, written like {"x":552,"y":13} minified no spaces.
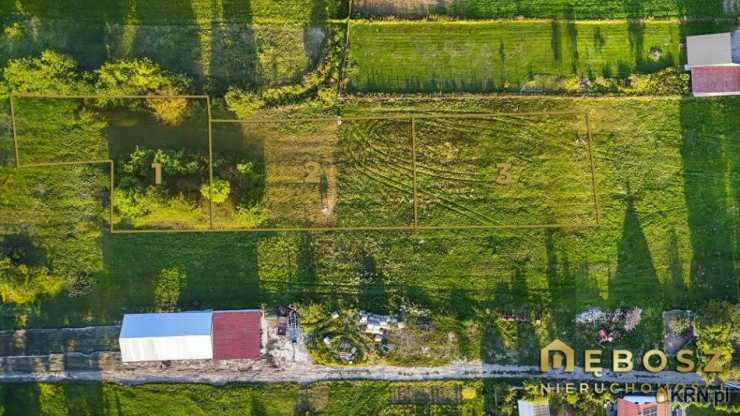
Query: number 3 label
{"x":504,"y":173}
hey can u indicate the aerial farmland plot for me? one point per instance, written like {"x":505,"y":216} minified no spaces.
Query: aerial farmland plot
{"x":137,"y":143}
{"x":367,"y":207}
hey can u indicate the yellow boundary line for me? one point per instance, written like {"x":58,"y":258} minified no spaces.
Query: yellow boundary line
{"x":210,"y":164}
{"x":212,"y":228}
{"x":363,"y":228}
{"x":396,"y":117}
{"x":111,"y":97}
{"x":15,"y":139}
{"x":413,"y":172}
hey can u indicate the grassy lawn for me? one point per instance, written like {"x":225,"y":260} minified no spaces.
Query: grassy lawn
{"x":667,"y":175}
{"x":408,"y":57}
{"x":179,"y":11}
{"x":572,"y":9}
{"x":218,"y":44}
{"x":339,"y":398}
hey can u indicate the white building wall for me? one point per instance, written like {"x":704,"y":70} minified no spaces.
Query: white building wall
{"x":189,"y":347}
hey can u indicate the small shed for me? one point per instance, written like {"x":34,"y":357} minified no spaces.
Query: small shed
{"x":714,"y":49}
{"x":166,"y":336}
{"x":714,"y":62}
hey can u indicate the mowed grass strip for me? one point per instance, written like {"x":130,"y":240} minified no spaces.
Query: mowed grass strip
{"x":572,"y":9}
{"x":178,"y":11}
{"x":505,"y":170}
{"x":407,"y":57}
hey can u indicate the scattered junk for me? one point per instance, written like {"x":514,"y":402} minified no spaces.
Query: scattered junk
{"x":605,"y":336}
{"x":287,"y":318}
{"x":377,"y":325}
{"x":334,"y":315}
{"x":678,"y":330}
{"x":508,"y":317}
{"x":327,"y":341}
{"x":346,"y":351}
{"x":424,"y":324}
{"x":611,"y":324}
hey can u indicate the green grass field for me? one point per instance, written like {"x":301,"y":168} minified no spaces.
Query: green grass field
{"x":666,"y":173}
{"x":336,"y":398}
{"x":180,"y":11}
{"x":412,"y":57}
{"x":218,"y":44}
{"x":571,"y":9}
{"x":472,"y":398}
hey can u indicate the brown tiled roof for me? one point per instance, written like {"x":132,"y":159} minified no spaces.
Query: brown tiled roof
{"x":236,"y":334}
{"x":720,"y":79}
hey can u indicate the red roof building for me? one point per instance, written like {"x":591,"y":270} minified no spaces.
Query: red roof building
{"x":714,"y":62}
{"x":641,"y":406}
{"x":237,"y":335}
{"x":715,"y":80}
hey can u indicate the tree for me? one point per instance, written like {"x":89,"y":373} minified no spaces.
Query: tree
{"x":141,"y":76}
{"x":718,"y":328}
{"x":51,"y":73}
{"x":167,"y":288}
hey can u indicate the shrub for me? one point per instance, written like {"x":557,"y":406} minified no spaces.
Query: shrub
{"x":219,"y":192}
{"x":666,"y":82}
{"x":167,"y":288}
{"x":250,"y":217}
{"x":14,"y":31}
{"x":137,"y":76}
{"x":243,"y":103}
{"x":170,"y":111}
{"x":680,"y":324}
{"x":51,"y":73}
{"x":174,"y":162}
{"x":141,"y":76}
{"x":21,"y":284}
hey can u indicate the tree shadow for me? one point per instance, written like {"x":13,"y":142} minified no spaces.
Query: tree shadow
{"x":561,"y":300}
{"x":20,"y":249}
{"x":676,"y":291}
{"x":308,"y":278}
{"x":174,"y":47}
{"x":556,"y":41}
{"x":222,"y":273}
{"x":635,"y":281}
{"x":636,"y":30}
{"x":84,"y":398}
{"x":572,"y":31}
{"x":20,"y":399}
{"x":372,"y":291}
{"x":233,"y":60}
{"x":710,"y":151}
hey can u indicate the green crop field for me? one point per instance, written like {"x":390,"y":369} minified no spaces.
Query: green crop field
{"x":570,"y":9}
{"x":409,"y":57}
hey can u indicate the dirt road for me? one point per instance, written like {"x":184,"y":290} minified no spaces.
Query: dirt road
{"x":106,"y":366}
